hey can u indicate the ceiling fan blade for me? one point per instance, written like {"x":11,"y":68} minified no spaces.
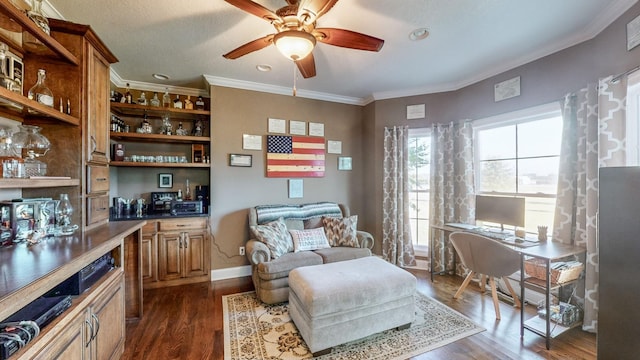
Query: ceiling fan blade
{"x":348,"y":39}
{"x":310,"y":10}
{"x":255,"y":9}
{"x":250,"y":47}
{"x":307,"y":66}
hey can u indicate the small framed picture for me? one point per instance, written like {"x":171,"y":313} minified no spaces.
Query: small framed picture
{"x":240,"y":160}
{"x":165,"y":180}
{"x":344,"y":163}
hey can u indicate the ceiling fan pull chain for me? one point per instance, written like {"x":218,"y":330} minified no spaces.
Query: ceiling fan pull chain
{"x":294,"y":78}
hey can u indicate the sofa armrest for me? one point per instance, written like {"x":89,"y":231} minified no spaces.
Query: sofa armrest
{"x":365,"y":239}
{"x":257,"y":252}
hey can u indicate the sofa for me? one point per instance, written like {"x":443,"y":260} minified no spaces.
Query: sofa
{"x":285,"y":237}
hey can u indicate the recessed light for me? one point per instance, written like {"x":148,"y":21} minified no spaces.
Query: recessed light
{"x":419,"y":34}
{"x":263,"y":67}
{"x":161,"y":76}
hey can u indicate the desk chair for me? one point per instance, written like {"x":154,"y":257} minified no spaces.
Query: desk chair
{"x":486,"y":257}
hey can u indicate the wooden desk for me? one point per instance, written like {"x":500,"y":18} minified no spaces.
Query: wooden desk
{"x":449,"y":229}
{"x":548,"y":251}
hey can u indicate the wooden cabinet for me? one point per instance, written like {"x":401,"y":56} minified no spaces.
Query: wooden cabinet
{"x":97,"y":124}
{"x":149,"y":250}
{"x":178,"y":252}
{"x":96,"y":329}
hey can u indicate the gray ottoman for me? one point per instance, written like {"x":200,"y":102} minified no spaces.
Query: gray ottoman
{"x":335,"y":303}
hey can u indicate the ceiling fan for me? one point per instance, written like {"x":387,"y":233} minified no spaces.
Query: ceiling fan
{"x":297,"y":33}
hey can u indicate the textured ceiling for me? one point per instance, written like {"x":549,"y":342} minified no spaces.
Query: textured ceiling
{"x":469,"y":41}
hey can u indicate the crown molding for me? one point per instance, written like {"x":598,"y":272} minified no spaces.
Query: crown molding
{"x":118,"y":81}
{"x":282,"y":90}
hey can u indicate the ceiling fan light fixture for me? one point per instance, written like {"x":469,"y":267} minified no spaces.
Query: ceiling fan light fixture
{"x":294,"y":44}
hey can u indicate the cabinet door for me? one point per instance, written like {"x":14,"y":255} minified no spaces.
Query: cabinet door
{"x":69,"y":343}
{"x":149,"y":254}
{"x":195,"y":259}
{"x":170,"y":256}
{"x":107,"y":317}
{"x":97,"y":126}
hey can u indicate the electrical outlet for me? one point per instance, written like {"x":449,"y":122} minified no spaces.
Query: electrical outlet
{"x":241,"y":250}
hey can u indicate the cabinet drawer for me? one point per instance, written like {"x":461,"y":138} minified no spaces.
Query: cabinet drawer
{"x":97,"y":179}
{"x":183,"y":223}
{"x":97,"y":209}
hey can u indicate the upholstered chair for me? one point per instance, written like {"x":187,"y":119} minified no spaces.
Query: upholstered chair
{"x":486,"y":257}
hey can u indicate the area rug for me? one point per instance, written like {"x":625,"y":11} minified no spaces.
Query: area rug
{"x":257,"y":331}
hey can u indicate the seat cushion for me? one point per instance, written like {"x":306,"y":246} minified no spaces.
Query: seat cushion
{"x":280,"y":267}
{"x":353,"y":284}
{"x":341,"y":253}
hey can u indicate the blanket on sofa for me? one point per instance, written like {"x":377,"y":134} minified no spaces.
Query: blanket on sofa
{"x":268,"y":213}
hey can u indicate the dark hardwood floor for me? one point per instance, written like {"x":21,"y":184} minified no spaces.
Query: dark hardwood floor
{"x":185,"y":322}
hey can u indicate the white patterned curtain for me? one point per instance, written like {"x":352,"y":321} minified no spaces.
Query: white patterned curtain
{"x":397,"y":246}
{"x":452,"y":187}
{"x":593,"y":137}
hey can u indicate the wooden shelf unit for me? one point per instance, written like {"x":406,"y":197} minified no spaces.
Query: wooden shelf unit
{"x":175,"y":139}
{"x":140,"y":110}
{"x":159,"y":164}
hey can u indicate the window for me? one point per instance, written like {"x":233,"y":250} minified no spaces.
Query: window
{"x":518,"y":154}
{"x":419,"y":170}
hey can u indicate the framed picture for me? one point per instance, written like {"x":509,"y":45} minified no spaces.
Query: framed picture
{"x":344,"y":163}
{"x":240,"y":160}
{"x":165,"y":180}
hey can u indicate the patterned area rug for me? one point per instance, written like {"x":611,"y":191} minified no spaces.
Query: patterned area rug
{"x":257,"y":331}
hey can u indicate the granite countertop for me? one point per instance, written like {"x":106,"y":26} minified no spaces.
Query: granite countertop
{"x":154,"y":216}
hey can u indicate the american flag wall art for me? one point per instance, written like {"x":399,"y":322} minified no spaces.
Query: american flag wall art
{"x":295,"y":156}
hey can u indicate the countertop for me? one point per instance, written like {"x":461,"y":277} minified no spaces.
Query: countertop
{"x":154,"y":216}
{"x":27,"y":272}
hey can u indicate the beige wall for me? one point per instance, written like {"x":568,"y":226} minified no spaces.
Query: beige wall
{"x":542,"y":81}
{"x":236,"y":112}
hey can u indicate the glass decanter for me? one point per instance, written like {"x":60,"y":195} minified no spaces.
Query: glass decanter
{"x":30,"y":144}
{"x":40,"y":92}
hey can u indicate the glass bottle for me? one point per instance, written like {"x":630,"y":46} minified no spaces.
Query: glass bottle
{"x":166,"y":99}
{"x":6,"y":81}
{"x":188,"y":104}
{"x":155,"y":101}
{"x":177,"y":103}
{"x":128,"y":99}
{"x":142,"y":100}
{"x":36,"y":15}
{"x":64,"y":210}
{"x":40,"y":92}
{"x":200,"y":103}
{"x":187,"y":191}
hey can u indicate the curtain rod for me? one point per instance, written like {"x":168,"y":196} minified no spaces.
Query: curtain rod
{"x":619,"y":76}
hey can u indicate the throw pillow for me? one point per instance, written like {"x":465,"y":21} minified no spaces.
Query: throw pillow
{"x":341,"y":231}
{"x":310,"y":239}
{"x":275,"y":235}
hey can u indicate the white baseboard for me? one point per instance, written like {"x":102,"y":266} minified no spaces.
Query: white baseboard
{"x":230,"y":273}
